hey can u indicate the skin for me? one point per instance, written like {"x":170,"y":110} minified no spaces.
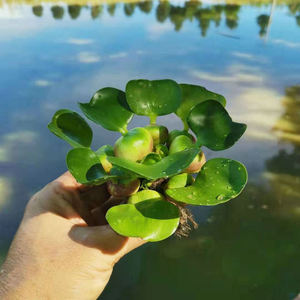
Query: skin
{"x":55,"y":254}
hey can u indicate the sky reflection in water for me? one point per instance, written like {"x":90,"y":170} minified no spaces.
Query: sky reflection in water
{"x":53,"y":55}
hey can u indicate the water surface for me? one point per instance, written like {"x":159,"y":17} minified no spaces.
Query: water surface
{"x":54,"y":54}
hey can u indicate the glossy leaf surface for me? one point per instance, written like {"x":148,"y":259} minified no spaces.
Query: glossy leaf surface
{"x":151,"y":159}
{"x":161,"y":150}
{"x":219,"y":180}
{"x":180,"y":180}
{"x":168,"y":166}
{"x":102,"y":153}
{"x":213,"y":126}
{"x":153,"y":98}
{"x":108,"y":108}
{"x":151,"y":219}
{"x":145,"y":195}
{"x":193,"y":95}
{"x":85,"y":166}
{"x":175,"y":133}
{"x":105,"y":150}
{"x":71,"y":127}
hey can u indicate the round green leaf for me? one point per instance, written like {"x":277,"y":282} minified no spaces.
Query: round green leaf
{"x":85,"y":166}
{"x":219,"y":180}
{"x":213,"y":126}
{"x":71,"y":127}
{"x":193,"y":95}
{"x":180,"y":180}
{"x":152,"y":220}
{"x":153,"y":98}
{"x":145,"y":195}
{"x":108,"y":108}
{"x":168,"y":166}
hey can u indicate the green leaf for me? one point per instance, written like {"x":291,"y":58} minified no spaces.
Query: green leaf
{"x":150,"y":219}
{"x":153,"y":98}
{"x":108,"y":108}
{"x":168,"y":166}
{"x":180,"y":180}
{"x":145,"y":195}
{"x":193,"y":95}
{"x":161,"y":150}
{"x":102,"y":153}
{"x":105,"y":150}
{"x":71,"y":127}
{"x":219,"y":180}
{"x":213,"y":126}
{"x":85,"y":166}
{"x":151,"y":159}
{"x":175,"y":133}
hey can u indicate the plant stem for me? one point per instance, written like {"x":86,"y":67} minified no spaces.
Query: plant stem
{"x":198,"y":143}
{"x":185,"y":126}
{"x":123,"y":130}
{"x":153,"y":119}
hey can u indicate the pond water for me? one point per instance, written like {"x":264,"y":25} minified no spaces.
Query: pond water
{"x":54,"y":54}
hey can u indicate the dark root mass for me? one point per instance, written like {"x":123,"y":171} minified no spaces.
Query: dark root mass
{"x":186,"y":222}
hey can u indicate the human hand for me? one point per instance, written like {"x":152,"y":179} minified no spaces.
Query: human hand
{"x":55,"y":254}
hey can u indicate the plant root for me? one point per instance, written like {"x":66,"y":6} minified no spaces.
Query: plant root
{"x":186,"y":221}
{"x":157,"y":184}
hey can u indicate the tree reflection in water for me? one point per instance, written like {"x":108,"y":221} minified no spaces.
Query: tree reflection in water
{"x":263,"y":21}
{"x":74,"y":11}
{"x":204,"y":15}
{"x":37,"y":10}
{"x":57,"y":12}
{"x":96,"y":11}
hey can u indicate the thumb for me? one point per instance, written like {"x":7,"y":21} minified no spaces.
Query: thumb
{"x":106,"y":240}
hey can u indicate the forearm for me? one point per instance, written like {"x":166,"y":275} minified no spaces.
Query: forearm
{"x":13,"y":285}
{"x":44,"y":276}
{"x":18,"y":277}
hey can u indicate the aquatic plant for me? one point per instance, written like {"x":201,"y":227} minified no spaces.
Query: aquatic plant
{"x":148,"y":171}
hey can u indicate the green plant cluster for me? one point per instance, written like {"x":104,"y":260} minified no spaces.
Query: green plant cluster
{"x":150,"y":168}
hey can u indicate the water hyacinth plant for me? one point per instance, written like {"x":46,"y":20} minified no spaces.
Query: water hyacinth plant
{"x":151,"y":173}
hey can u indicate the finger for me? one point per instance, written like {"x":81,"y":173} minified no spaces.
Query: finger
{"x":83,"y":210}
{"x":106,"y":240}
{"x":99,"y":216}
{"x":68,"y":181}
{"x":100,"y":237}
{"x":131,"y":244}
{"x":63,"y":198}
{"x":112,"y":201}
{"x":100,"y":212}
{"x":95,"y":196}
